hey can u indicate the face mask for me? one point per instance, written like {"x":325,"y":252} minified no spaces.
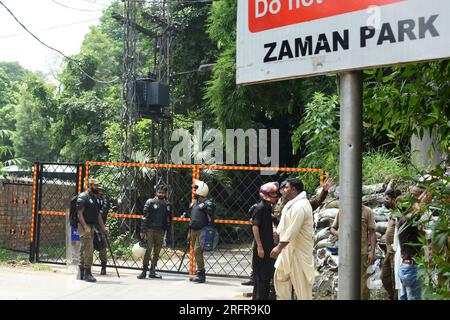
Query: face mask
{"x":387,"y":205}
{"x":95,"y":191}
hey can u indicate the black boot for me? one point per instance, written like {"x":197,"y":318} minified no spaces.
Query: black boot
{"x":103,"y":271}
{"x":200,"y":277}
{"x":153,"y":274}
{"x":88,"y":277}
{"x":80,"y":275}
{"x":143,"y":273}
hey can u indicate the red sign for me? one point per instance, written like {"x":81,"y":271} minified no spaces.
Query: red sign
{"x":270,"y":14}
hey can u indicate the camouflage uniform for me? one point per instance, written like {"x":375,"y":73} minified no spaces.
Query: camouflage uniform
{"x":86,"y":246}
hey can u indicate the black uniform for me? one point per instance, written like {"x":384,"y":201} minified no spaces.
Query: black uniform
{"x":91,"y":208}
{"x":199,"y":213}
{"x":90,"y":214}
{"x":156,"y":213}
{"x":263,"y":269}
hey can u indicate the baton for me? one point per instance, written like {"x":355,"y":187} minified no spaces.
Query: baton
{"x":112,"y":256}
{"x":184,"y":254}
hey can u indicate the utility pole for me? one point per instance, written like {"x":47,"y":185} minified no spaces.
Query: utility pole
{"x":350,"y":172}
{"x":129,"y":114}
{"x":162,"y":123}
{"x":162,"y":70}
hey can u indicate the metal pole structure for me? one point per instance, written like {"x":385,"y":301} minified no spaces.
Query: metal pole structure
{"x":350,"y":173}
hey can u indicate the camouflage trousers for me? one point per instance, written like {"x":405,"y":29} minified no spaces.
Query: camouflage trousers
{"x":102,"y":253}
{"x":86,"y":246}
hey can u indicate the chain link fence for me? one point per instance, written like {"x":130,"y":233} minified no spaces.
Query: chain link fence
{"x":233,"y":189}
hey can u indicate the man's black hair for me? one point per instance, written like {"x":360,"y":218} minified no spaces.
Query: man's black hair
{"x":296,"y":183}
{"x":392,"y":193}
{"x":161,"y":188}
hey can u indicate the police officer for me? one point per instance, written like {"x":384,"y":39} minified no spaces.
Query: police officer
{"x":104,"y":209}
{"x":157,"y":212}
{"x":202,"y":214}
{"x":263,"y":264}
{"x":88,"y":210}
{"x":251,"y":281}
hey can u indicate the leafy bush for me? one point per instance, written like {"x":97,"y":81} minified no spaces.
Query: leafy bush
{"x":318,"y":138}
{"x":434,"y":263}
{"x":381,"y":167}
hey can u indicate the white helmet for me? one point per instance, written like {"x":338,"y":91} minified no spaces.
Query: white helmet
{"x":201,"y":188}
{"x":138,"y":251}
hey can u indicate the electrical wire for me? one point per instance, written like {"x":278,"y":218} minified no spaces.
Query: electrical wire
{"x":49,"y":28}
{"x":79,"y":9}
{"x":56,"y":50}
{"x":96,"y":3}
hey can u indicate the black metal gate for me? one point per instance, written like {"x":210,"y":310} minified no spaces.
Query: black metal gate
{"x":54,"y":185}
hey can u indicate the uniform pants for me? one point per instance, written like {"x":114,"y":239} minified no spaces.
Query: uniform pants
{"x":388,"y":276}
{"x":86,"y":246}
{"x":102,"y":253}
{"x":364,"y":277}
{"x":154,"y":243}
{"x":198,"y":249}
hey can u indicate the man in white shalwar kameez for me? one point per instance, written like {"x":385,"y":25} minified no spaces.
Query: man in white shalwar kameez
{"x":294,"y":266}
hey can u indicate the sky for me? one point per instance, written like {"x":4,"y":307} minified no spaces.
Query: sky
{"x":61,"y":24}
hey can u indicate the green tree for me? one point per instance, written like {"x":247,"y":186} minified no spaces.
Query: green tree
{"x":404,"y":100}
{"x":432,"y":216}
{"x":275,"y":105}
{"x":11,"y":76}
{"x":32,"y":136}
{"x":78,"y":77}
{"x":82,"y":121}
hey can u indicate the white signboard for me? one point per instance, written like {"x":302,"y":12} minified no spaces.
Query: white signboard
{"x":283,"y":39}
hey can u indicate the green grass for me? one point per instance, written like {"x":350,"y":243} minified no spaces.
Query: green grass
{"x":5,"y":255}
{"x":41,"y":267}
{"x":379,"y":167}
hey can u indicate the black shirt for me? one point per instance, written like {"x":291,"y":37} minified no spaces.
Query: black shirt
{"x":91,"y":207}
{"x":262,"y":217}
{"x":199,"y":213}
{"x":155,"y":214}
{"x":408,"y":237}
{"x":104,"y":207}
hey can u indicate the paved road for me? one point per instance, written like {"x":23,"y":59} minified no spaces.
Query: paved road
{"x":60,"y":284}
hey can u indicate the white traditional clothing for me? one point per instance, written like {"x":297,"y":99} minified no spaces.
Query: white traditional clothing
{"x":397,"y":260}
{"x":295,"y":264}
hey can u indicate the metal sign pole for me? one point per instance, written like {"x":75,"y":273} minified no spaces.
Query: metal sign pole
{"x":350,"y":173}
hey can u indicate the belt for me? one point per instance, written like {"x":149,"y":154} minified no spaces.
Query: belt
{"x":406,"y":261}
